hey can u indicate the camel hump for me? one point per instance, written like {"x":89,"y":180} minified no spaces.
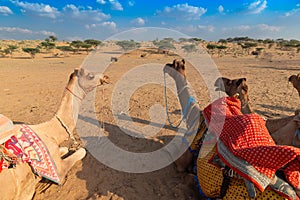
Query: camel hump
{"x":5,"y":126}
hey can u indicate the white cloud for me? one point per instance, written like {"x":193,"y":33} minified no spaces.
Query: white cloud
{"x":293,"y":12}
{"x":102,"y":2}
{"x":39,"y":9}
{"x":131,"y":3}
{"x":82,"y":14}
{"x":208,"y":28}
{"x":46,"y":33}
{"x":183,"y":11}
{"x":116,"y":5}
{"x":110,"y":25}
{"x":16,"y":30}
{"x":257,"y":7}
{"x":74,"y":38}
{"x":266,"y":27}
{"x":138,"y":21}
{"x":253,"y":28}
{"x":4,"y":10}
{"x":196,"y":29}
{"x":221,"y":9}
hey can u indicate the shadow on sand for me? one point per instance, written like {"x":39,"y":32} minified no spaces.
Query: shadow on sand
{"x":160,"y":184}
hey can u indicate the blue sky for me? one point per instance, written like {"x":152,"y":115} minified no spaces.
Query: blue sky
{"x":100,"y":19}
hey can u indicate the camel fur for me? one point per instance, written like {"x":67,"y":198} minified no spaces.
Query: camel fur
{"x":295,"y":80}
{"x":19,"y":183}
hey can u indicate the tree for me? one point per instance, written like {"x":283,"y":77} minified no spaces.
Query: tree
{"x":86,"y":47}
{"x":221,"y":48}
{"x":31,"y":51}
{"x":223,"y":41}
{"x":76,"y":44}
{"x":189,"y":48}
{"x":65,"y":49}
{"x":128,"y":44}
{"x":47,"y":45}
{"x":93,"y":42}
{"x":164,"y":44}
{"x":53,"y":38}
{"x":248,"y":45}
{"x":10,"y":49}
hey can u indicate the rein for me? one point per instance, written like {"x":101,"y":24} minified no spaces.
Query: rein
{"x":68,"y":89}
{"x":190,"y":100}
{"x":66,"y":128}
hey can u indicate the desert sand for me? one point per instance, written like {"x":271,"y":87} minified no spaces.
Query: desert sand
{"x":31,"y":90}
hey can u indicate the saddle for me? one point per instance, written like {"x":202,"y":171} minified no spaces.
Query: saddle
{"x":225,"y":171}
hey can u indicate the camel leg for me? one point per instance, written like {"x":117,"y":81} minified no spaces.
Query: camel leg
{"x":69,"y":162}
{"x":63,"y":151}
{"x":185,"y":160}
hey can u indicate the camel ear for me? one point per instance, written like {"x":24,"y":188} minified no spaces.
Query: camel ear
{"x":240,"y":81}
{"x":174,"y":62}
{"x":76,"y":71}
{"x":183,"y":61}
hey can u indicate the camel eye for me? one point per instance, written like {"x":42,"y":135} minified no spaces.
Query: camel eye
{"x":91,"y":76}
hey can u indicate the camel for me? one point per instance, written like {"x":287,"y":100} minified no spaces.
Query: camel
{"x":20,"y":182}
{"x":233,"y":87}
{"x":282,"y":129}
{"x":237,"y":88}
{"x":295,"y":80}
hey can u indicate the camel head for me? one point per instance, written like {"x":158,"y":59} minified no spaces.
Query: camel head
{"x":295,"y":80}
{"x":237,"y":88}
{"x":178,"y":65}
{"x":88,"y":80}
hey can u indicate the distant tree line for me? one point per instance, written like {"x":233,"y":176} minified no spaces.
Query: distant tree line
{"x":166,"y":44}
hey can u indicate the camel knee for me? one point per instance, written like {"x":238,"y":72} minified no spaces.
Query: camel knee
{"x":63,"y":151}
{"x":70,"y":161}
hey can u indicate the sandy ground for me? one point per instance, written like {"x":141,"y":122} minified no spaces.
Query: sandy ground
{"x":31,"y":90}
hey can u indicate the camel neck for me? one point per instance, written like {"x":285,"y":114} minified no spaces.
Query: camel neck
{"x":69,"y":108}
{"x":189,"y":106}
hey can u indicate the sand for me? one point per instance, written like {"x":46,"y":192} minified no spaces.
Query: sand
{"x":31,"y":90}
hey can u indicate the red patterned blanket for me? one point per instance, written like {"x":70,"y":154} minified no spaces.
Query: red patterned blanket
{"x":26,"y":146}
{"x":246,"y":146}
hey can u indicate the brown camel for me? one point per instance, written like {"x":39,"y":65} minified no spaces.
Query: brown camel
{"x":282,"y":130}
{"x":295,"y":80}
{"x":20,"y":182}
{"x":235,"y":87}
{"x":231,"y":87}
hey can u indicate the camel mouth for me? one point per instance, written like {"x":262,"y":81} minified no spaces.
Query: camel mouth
{"x":219,"y":87}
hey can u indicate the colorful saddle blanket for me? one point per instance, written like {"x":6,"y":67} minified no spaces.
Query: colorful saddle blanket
{"x":26,"y":146}
{"x":246,"y":146}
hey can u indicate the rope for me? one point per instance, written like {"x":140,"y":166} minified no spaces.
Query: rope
{"x":297,"y":135}
{"x":102,"y":118}
{"x":190,"y":100}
